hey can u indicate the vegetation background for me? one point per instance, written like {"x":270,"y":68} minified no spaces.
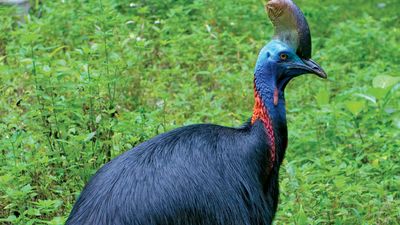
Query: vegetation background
{"x":84,"y":81}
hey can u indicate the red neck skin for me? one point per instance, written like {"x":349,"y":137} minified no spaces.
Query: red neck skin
{"x":260,"y":112}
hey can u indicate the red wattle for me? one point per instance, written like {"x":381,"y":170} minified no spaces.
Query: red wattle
{"x":276,"y":97}
{"x":261,"y":113}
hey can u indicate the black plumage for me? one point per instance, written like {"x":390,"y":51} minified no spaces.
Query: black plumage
{"x":199,"y":174}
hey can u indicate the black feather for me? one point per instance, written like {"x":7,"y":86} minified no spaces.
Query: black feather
{"x":198,"y":174}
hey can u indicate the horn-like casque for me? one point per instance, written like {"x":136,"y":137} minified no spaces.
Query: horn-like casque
{"x":290,"y":25}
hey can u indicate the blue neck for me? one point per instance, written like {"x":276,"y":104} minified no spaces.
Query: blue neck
{"x":265,"y":85}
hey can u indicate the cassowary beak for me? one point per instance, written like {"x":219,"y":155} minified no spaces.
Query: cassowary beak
{"x":314,"y":68}
{"x":303,"y":67}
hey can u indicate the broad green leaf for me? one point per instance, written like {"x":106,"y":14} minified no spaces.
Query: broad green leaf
{"x":33,"y":212}
{"x":98,"y":118}
{"x":55,"y":51}
{"x":340,"y":182}
{"x":385,"y":81}
{"x":57,"y":221}
{"x":355,"y":107}
{"x":302,"y":217}
{"x":367,"y":97}
{"x":10,"y":218}
{"x":90,"y":136}
{"x":322,"y":97}
{"x":396,"y":123}
{"x":378,"y":93}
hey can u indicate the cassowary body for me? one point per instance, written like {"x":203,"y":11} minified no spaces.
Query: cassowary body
{"x":199,"y":174}
{"x":205,"y":174}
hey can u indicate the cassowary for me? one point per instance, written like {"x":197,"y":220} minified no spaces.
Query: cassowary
{"x":208,"y":174}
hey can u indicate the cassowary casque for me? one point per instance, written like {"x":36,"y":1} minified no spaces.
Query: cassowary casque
{"x":208,"y":174}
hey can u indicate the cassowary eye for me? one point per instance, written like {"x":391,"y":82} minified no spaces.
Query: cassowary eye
{"x":283,"y":56}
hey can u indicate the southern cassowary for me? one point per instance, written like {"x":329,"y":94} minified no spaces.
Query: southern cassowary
{"x":209,"y":174}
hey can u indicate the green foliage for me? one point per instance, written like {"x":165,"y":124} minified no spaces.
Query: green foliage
{"x":84,"y":81}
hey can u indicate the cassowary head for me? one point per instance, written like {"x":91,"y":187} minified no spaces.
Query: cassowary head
{"x":289,"y":53}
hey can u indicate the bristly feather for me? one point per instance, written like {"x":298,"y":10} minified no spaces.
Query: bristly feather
{"x":198,"y":175}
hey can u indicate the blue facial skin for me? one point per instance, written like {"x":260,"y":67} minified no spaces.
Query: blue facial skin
{"x":279,"y":72}
{"x":276,"y":65}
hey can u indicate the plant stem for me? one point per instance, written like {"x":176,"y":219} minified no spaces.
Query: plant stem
{"x":42,"y":109}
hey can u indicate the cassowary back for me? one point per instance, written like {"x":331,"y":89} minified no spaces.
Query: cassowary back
{"x":200,"y":174}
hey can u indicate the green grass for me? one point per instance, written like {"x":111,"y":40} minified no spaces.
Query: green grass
{"x":82,"y":82}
